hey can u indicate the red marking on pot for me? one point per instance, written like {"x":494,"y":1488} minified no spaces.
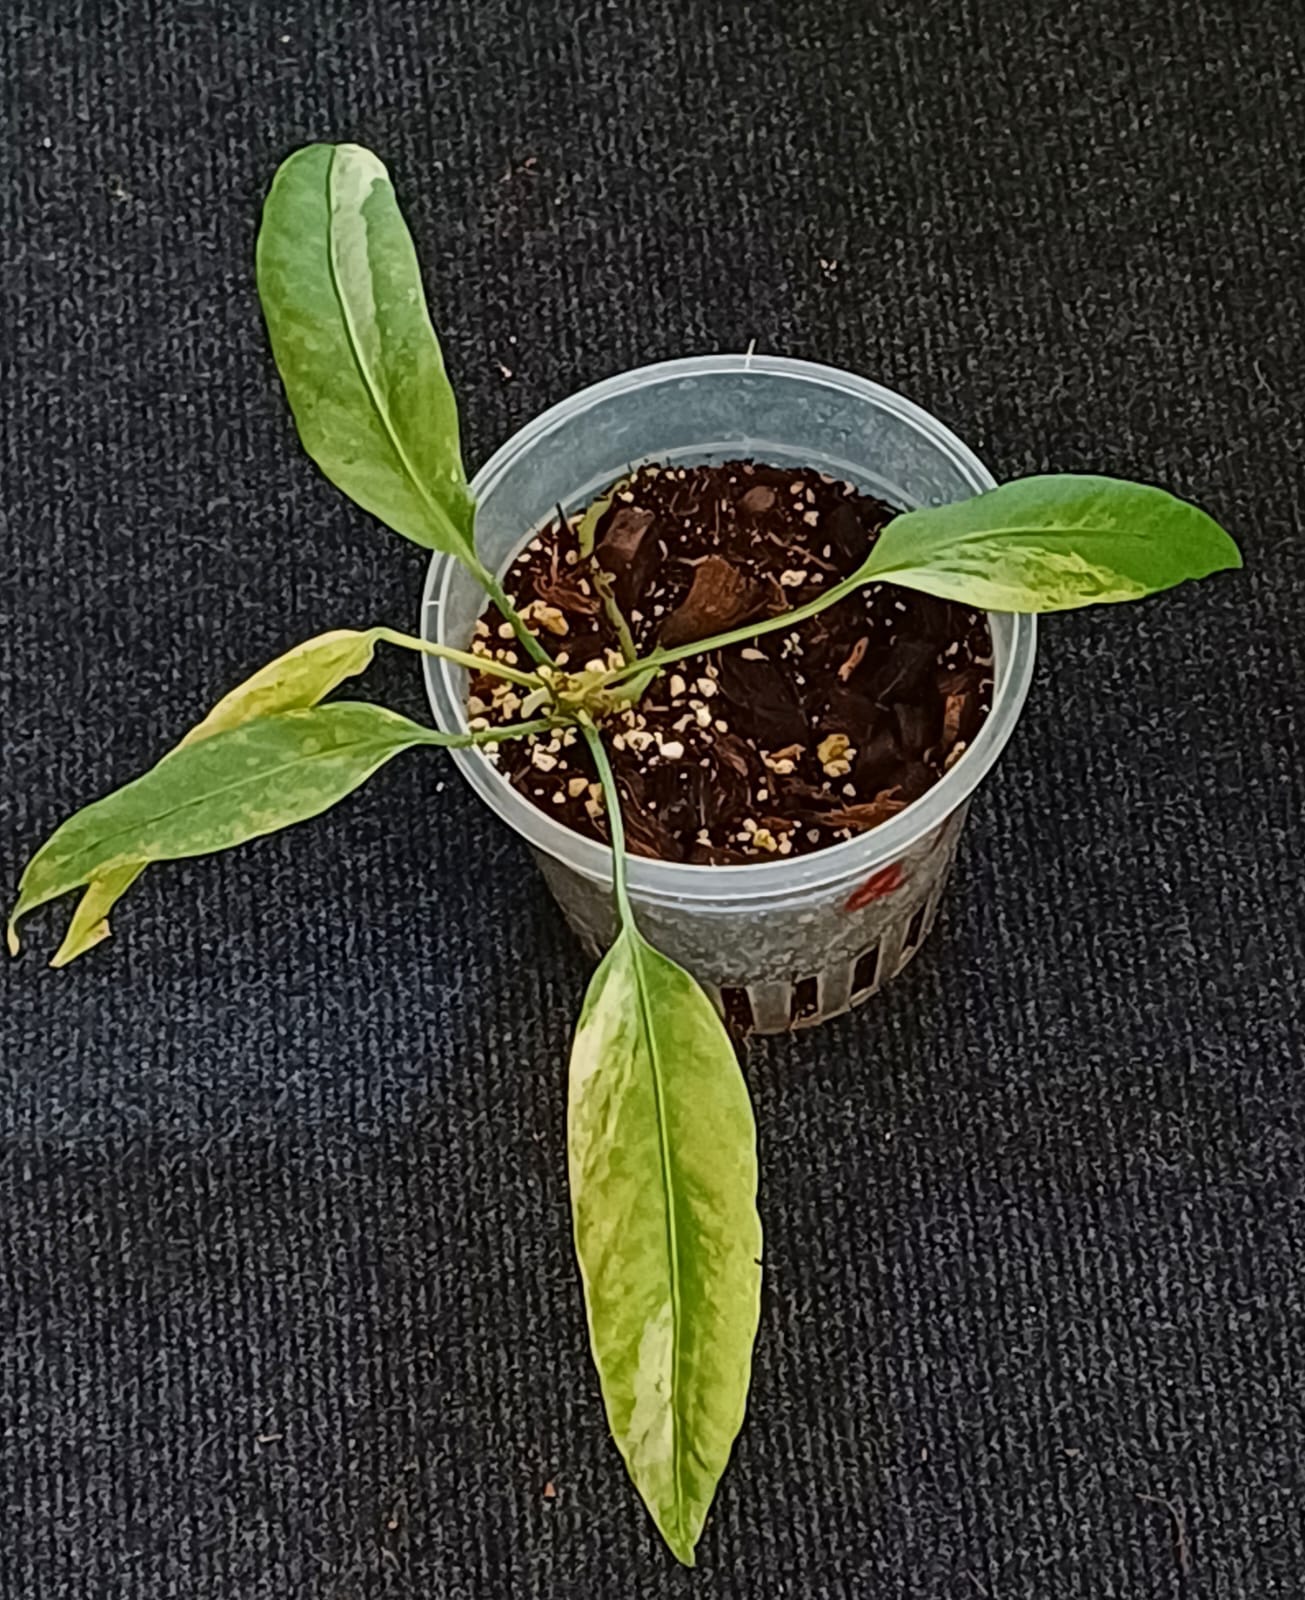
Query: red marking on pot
{"x":875,"y":887}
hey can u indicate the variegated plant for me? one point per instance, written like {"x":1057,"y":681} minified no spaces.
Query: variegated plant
{"x":662,"y":1146}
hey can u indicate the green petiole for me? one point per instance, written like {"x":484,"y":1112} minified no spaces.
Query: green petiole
{"x":607,"y":594}
{"x":510,"y":730}
{"x":615,"y":826}
{"x":786,"y":619}
{"x":496,"y":592}
{"x":464,"y":658}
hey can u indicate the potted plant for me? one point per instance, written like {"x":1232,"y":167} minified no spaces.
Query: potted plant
{"x":795,"y":775}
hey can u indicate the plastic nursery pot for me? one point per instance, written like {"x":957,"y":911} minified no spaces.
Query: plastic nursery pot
{"x":783,"y":943}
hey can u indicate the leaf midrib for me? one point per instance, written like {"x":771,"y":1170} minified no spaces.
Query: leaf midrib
{"x":672,"y":1243}
{"x":1028,"y":530}
{"x":355,"y":350}
{"x":381,"y":746}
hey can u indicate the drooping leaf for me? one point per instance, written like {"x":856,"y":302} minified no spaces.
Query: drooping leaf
{"x":233,"y":786}
{"x":90,"y":921}
{"x":342,"y":297}
{"x":1051,"y":543}
{"x":663,"y":1169}
{"x":298,"y":679}
{"x":294,"y":681}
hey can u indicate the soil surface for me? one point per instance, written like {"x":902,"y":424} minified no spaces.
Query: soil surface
{"x":793,"y":742}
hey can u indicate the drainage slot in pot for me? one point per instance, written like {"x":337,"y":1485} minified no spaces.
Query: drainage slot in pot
{"x":915,"y":929}
{"x":806,"y":1000}
{"x":866,"y":971}
{"x":736,"y":1008}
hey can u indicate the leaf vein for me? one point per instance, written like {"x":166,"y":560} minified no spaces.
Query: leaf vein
{"x":672,"y":1242}
{"x":355,"y":350}
{"x":383,"y":748}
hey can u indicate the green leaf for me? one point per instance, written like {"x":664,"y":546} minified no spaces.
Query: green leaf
{"x":595,"y":511}
{"x":218,"y":792}
{"x":90,"y":921}
{"x":342,"y":296}
{"x":294,"y":681}
{"x":1051,"y":543}
{"x":298,"y":679}
{"x":663,"y":1168}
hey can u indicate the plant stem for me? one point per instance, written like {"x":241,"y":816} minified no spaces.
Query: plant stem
{"x":496,"y":592}
{"x":587,"y":528}
{"x":602,"y":578}
{"x":750,"y":630}
{"x":615,"y":827}
{"x":602,"y":581}
{"x":464,"y":658}
{"x":508,"y":730}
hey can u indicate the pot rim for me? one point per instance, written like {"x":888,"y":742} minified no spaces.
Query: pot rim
{"x":683,"y":881}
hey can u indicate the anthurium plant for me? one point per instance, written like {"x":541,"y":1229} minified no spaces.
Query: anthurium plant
{"x":661,"y":1139}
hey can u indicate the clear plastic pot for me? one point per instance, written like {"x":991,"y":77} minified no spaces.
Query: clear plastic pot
{"x":789,"y":942}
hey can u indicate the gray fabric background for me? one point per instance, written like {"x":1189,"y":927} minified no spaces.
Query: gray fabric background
{"x":287,"y":1302}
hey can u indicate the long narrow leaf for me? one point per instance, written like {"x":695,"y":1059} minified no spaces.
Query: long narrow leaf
{"x":207,"y":796}
{"x":663,"y":1170}
{"x":342,"y":296}
{"x":90,"y":920}
{"x":294,"y":681}
{"x":1051,"y":543}
{"x":300,"y":678}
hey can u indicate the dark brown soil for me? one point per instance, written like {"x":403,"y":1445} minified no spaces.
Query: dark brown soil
{"x":799,"y":740}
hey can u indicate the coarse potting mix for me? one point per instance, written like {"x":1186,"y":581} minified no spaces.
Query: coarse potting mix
{"x":771,"y":748}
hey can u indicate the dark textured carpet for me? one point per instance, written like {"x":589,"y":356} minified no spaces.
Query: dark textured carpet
{"x":286,"y":1291}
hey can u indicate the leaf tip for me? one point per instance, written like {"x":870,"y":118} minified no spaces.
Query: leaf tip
{"x":1235,"y":560}
{"x":682,"y":1549}
{"x":361,"y":154}
{"x":78,"y":943}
